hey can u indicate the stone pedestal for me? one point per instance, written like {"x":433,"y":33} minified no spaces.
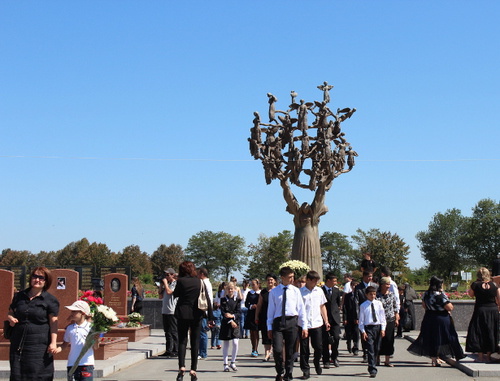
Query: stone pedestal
{"x":132,"y":333}
{"x":7,"y":292}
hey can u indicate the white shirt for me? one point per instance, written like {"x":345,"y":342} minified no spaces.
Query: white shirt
{"x":210,"y":290}
{"x":365,"y":314}
{"x":75,"y":335}
{"x":294,"y":305}
{"x":244,"y":293}
{"x":394,"y":289}
{"x":347,"y":288}
{"x":313,"y":300}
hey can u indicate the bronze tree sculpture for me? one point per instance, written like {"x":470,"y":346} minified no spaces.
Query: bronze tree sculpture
{"x":285,"y":143}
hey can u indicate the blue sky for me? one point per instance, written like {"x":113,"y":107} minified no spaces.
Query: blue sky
{"x":126,"y":122}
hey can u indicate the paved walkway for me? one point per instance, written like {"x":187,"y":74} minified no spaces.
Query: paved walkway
{"x":141,"y":363}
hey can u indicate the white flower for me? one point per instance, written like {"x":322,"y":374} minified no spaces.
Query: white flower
{"x":108,"y":312}
{"x":296,"y":265}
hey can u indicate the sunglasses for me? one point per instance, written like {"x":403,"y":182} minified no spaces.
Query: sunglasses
{"x":40,"y":277}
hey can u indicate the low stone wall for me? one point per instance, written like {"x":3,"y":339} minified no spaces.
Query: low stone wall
{"x":461,"y":314}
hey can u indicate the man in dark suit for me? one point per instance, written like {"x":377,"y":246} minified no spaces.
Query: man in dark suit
{"x":350,"y":309}
{"x":331,"y":337}
{"x":360,"y":296}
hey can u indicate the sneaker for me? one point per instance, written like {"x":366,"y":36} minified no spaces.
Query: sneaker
{"x":226,"y":368}
{"x":254,"y":354}
{"x":233,"y":367}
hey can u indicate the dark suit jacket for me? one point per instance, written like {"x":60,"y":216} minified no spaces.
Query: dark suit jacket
{"x":350,"y":307}
{"x":187,"y":290}
{"x":359,"y":291}
{"x":333,"y":305}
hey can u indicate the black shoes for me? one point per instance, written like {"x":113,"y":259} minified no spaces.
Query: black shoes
{"x":336,"y":363}
{"x":306,"y":375}
{"x":318,"y":369}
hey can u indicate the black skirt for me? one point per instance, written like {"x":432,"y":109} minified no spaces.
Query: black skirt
{"x":437,"y":338}
{"x":482,"y":335}
{"x":29,"y":359}
{"x":387,"y":342}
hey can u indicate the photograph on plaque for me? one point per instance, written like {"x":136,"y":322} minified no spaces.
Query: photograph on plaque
{"x":61,"y":283}
{"x":115,"y":285}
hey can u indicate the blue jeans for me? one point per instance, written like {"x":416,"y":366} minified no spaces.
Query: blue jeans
{"x":83,"y":373}
{"x":243,"y":316}
{"x":214,"y":339}
{"x":203,"y":339}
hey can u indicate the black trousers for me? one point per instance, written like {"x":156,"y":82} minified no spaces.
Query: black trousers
{"x":288,"y":335}
{"x":316,"y":340}
{"x":170,"y":329}
{"x":331,"y":337}
{"x":372,"y":345}
{"x":184,"y":326}
{"x":352,"y":334}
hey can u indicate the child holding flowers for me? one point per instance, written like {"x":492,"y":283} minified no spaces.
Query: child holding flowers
{"x":75,"y":337}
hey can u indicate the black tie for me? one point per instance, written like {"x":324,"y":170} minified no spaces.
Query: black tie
{"x":283,"y":307}
{"x":374,"y":315}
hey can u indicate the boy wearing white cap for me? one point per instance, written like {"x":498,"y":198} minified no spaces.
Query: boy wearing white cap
{"x":75,"y":336}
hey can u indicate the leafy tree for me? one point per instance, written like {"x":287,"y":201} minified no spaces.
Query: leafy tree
{"x":441,"y":245}
{"x":44,"y":258}
{"x":166,"y":256}
{"x":482,"y":233}
{"x":420,"y":276}
{"x":387,"y":249}
{"x":15,"y":257}
{"x":98,"y":255}
{"x":337,"y":253}
{"x":219,"y":252}
{"x":73,"y":253}
{"x":138,"y":261}
{"x":268,"y":254}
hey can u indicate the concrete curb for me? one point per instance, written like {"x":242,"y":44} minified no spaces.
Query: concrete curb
{"x":467,"y":364}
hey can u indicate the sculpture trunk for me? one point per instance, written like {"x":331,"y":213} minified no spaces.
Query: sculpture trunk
{"x":306,"y":247}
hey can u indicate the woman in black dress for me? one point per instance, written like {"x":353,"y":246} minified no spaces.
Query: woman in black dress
{"x":438,"y":337}
{"x":189,"y":316}
{"x":251,"y":303}
{"x":261,"y":314}
{"x":33,"y":314}
{"x":482,"y":335}
{"x":230,"y":306}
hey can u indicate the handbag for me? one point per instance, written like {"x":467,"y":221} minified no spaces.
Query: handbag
{"x":7,"y":330}
{"x":202,"y":298}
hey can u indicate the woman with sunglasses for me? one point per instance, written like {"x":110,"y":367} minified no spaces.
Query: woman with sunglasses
{"x":33,"y":315}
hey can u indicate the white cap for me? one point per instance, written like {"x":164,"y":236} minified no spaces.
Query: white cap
{"x":80,"y":305}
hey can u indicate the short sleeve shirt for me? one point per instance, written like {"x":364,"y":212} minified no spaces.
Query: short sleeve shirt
{"x":435,"y":301}
{"x":313,"y":300}
{"x":169,"y":301}
{"x":76,"y":335}
{"x":37,"y":310}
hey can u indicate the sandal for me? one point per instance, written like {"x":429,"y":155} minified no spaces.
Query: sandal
{"x":388,"y":364}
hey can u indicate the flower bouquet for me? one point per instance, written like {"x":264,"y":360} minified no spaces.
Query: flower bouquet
{"x":298,"y":267}
{"x":103,"y":318}
{"x":135,"y":319}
